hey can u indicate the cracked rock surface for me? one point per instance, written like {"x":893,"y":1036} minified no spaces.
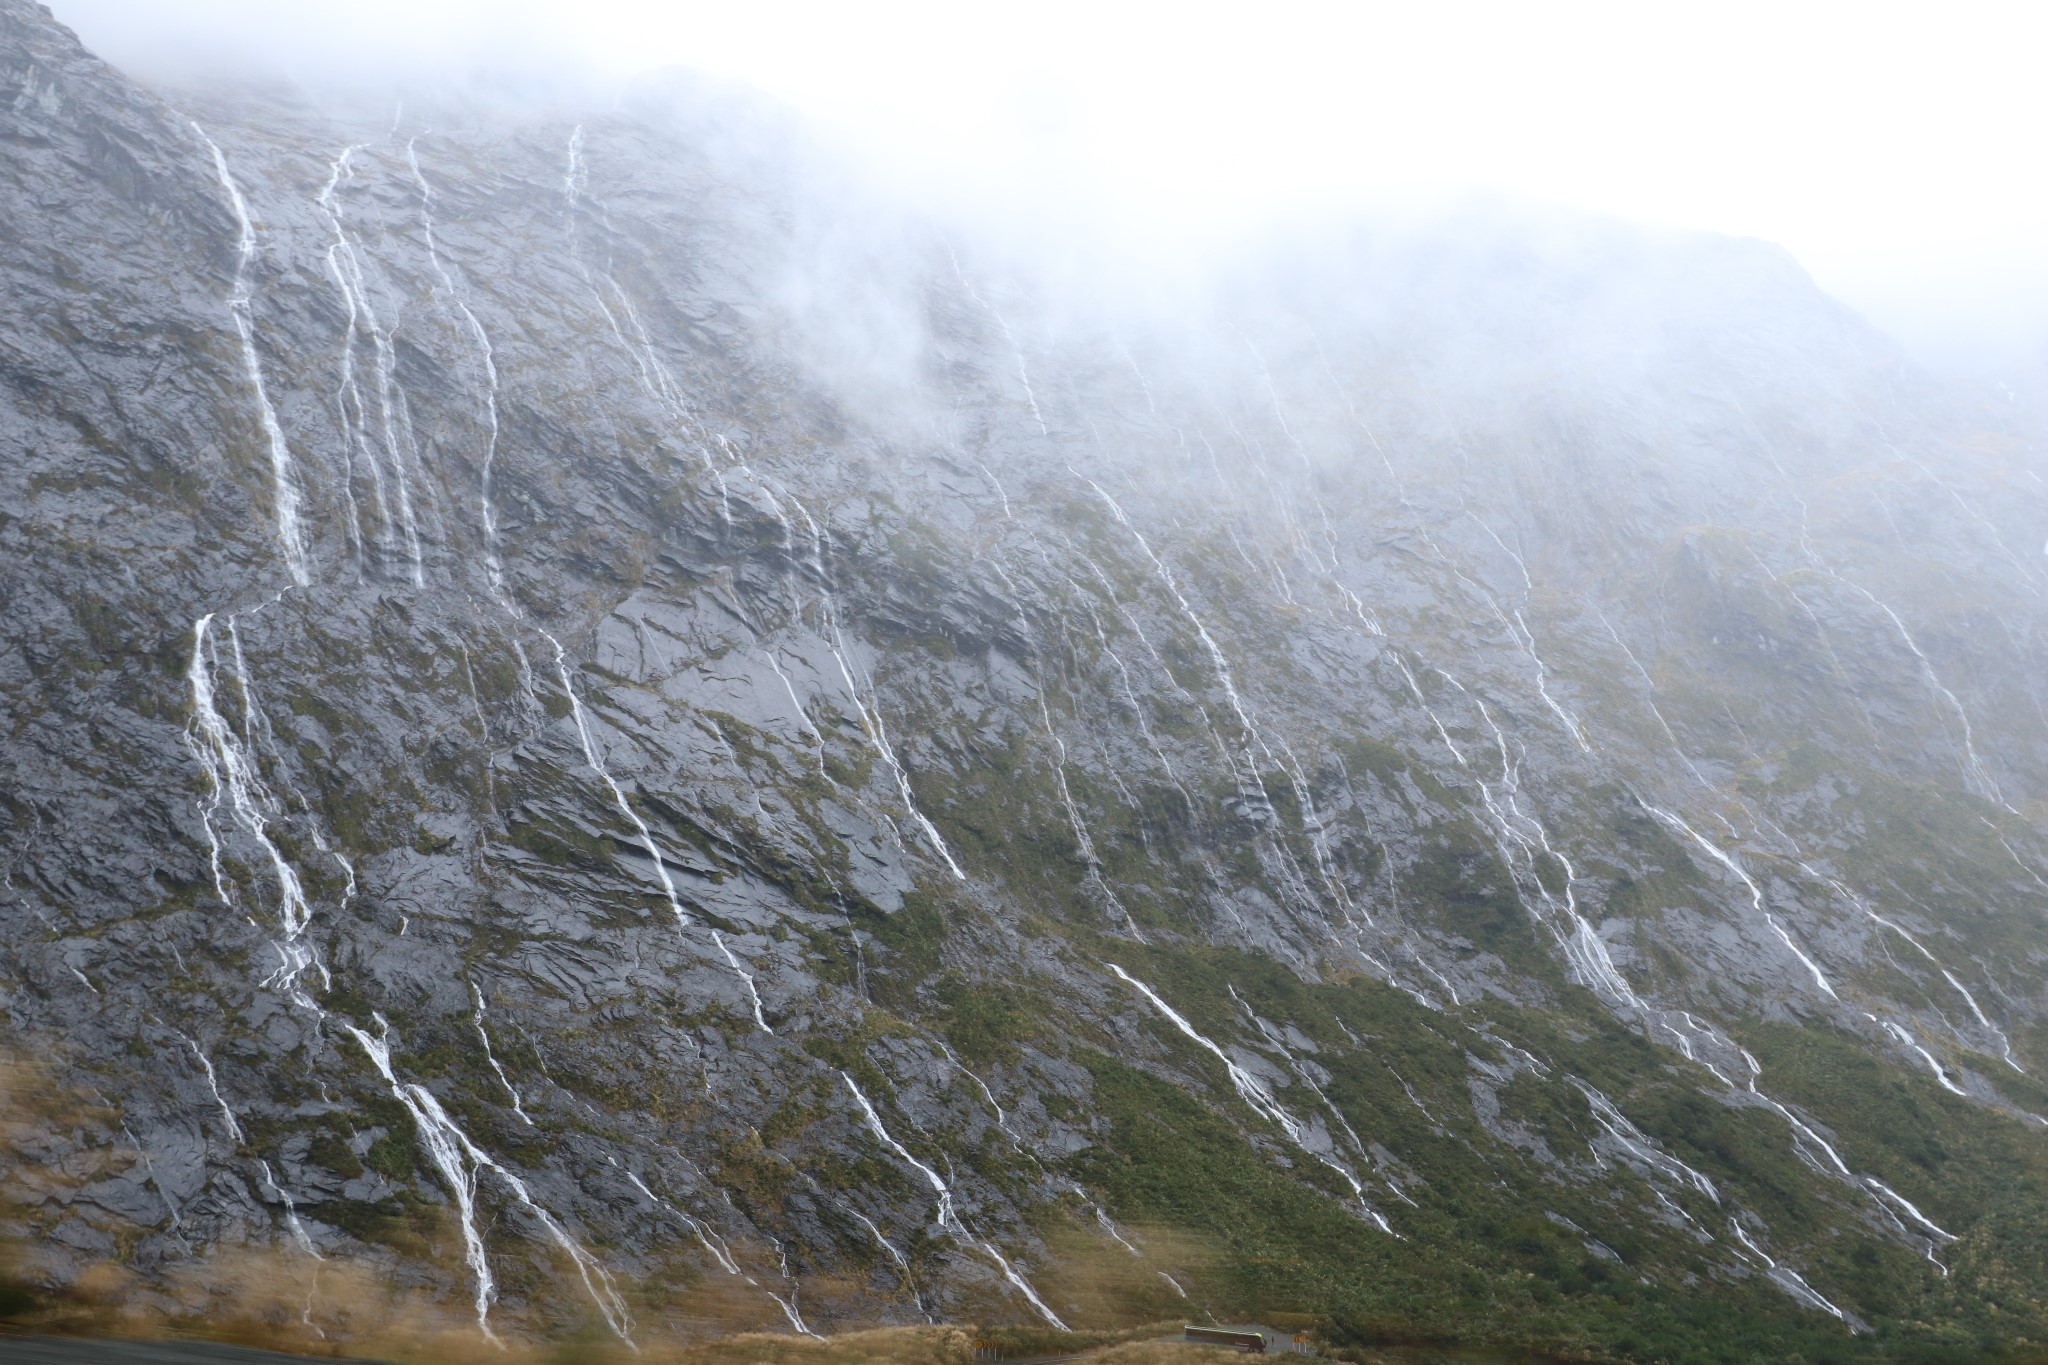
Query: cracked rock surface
{"x":626,"y":737}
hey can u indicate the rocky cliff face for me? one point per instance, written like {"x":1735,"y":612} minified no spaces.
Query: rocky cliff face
{"x":601,"y":730}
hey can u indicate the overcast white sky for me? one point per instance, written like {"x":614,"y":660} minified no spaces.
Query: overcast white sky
{"x":1896,"y":149}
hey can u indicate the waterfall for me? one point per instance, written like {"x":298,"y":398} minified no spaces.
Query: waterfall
{"x":231,"y":774}
{"x":625,"y":808}
{"x":946,"y":1216}
{"x":461,"y":1164}
{"x":1756,"y":895}
{"x":486,"y":508}
{"x":490,"y":1057}
{"x":344,"y":265}
{"x":1254,"y":1093}
{"x":284,"y":490}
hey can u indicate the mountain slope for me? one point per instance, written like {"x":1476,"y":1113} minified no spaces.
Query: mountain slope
{"x":605,"y":730}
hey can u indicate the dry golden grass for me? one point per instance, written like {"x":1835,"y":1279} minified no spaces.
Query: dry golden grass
{"x":278,"y":1298}
{"x":1158,"y":1353}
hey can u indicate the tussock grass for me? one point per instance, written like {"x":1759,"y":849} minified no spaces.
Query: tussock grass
{"x":1159,"y":1353}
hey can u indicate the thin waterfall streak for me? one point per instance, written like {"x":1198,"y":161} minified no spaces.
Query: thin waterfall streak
{"x":213,"y":1088}
{"x":590,"y":755}
{"x":486,"y":506}
{"x":878,"y":738}
{"x":1358,"y":1146}
{"x":1209,"y":646}
{"x":746,"y":979}
{"x":1638,"y":1143}
{"x":2017,"y":860}
{"x":349,"y":405}
{"x":1254,"y":1093}
{"x":241,"y":309}
{"x":1907,"y":1041}
{"x":872,"y":727}
{"x":1080,"y":826}
{"x":1826,"y":643}
{"x":1016,"y":351}
{"x":2004,"y":1043}
{"x":1756,"y":895}
{"x":1244,"y":767}
{"x":1975,"y":764}
{"x":618,"y":795}
{"x":1527,"y":638}
{"x":989,"y":1096}
{"x":490,"y":1057}
{"x":655,"y":376}
{"x":461,"y":1164}
{"x":345,"y":265}
{"x":788,"y":1307}
{"x":880,"y":1240}
{"x":291,"y":1211}
{"x":149,"y":1168}
{"x":1522,"y":843}
{"x":796,"y":708}
{"x":946,"y":1215}
{"x":711,"y":1243}
{"x":1651,"y":684}
{"x":232,"y":775}
{"x":1972,"y":765}
{"x":1907,"y":1207}
{"x":1802,"y":1131}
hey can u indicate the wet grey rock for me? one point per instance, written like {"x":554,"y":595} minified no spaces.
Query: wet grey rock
{"x":1394,"y":629}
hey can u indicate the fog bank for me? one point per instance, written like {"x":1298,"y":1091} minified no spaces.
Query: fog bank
{"x":1883,"y":150}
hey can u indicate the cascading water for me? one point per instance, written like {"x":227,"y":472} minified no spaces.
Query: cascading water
{"x":710,"y":1241}
{"x":487,"y":357}
{"x":945,"y":1216}
{"x":2018,"y":862}
{"x":625,"y":808}
{"x":1913,"y":941}
{"x":232,"y":774}
{"x":1973,"y":764}
{"x":1250,"y":785}
{"x":1975,"y":774}
{"x":1083,"y":842}
{"x":304,"y":1241}
{"x":2004,"y":1043}
{"x":394,"y":436}
{"x":462,"y":1164}
{"x":1784,"y":1276}
{"x":284,"y":489}
{"x":1255,"y":1094}
{"x":1009,"y":337}
{"x":1638,"y":1145}
{"x":491,"y":1059}
{"x":1756,"y":895}
{"x":655,"y":375}
{"x":1137,"y":709}
{"x":1018,"y":1146}
{"x":1278,"y":1043}
{"x":1905,"y":1039}
{"x":1523,"y":844}
{"x":227,"y":1114}
{"x":1518,"y":628}
{"x":871,"y":717}
{"x":788,"y":1304}
{"x":1592,"y":957}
